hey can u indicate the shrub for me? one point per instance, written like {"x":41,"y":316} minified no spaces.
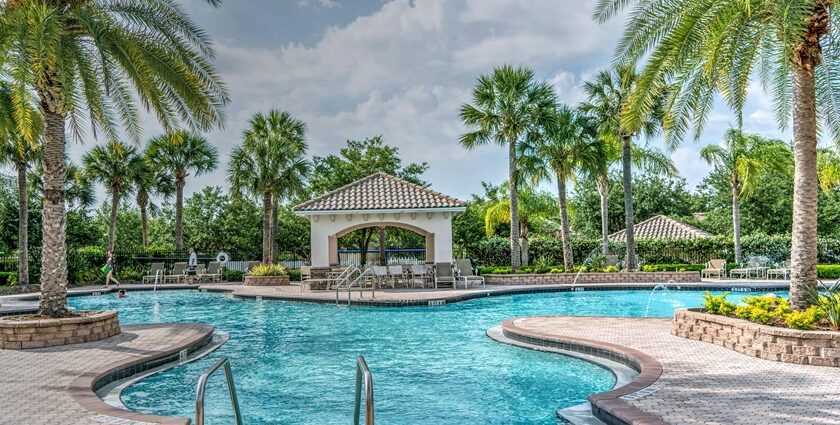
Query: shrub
{"x":232,"y":275}
{"x":294,"y":274}
{"x":131,"y":273}
{"x":8,"y":278}
{"x":269,"y":270}
{"x":804,"y":320}
{"x":611,"y":269}
{"x":673,"y":267}
{"x":828,"y":271}
{"x":828,"y":303}
{"x":717,"y":304}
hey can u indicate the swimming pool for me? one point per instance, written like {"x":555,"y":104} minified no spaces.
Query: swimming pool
{"x":294,"y":363}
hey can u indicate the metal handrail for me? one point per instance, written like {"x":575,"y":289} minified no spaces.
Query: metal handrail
{"x":202,"y":385}
{"x":363,"y":374}
{"x":360,"y":277}
{"x":344,"y":278}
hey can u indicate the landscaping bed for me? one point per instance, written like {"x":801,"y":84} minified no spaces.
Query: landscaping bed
{"x":34,"y":331}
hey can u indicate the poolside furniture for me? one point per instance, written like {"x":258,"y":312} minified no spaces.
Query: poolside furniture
{"x":444,"y":274}
{"x":741,"y":272}
{"x":380,"y":275}
{"x":467,"y":274}
{"x":782,"y":271}
{"x":213,"y":272}
{"x":177,"y":274}
{"x":716,"y":267}
{"x":396,"y":274}
{"x":157,"y":268}
{"x":419,"y":274}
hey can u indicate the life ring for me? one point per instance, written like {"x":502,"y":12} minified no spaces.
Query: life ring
{"x":222,"y":257}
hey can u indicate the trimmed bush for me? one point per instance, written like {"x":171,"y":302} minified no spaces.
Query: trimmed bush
{"x":269,"y":270}
{"x":673,"y":267}
{"x":828,"y":271}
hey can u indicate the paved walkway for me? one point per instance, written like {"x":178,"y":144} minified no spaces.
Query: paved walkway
{"x":702,"y":383}
{"x":50,"y":386}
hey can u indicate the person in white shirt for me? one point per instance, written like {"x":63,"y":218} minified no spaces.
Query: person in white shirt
{"x":193,"y":261}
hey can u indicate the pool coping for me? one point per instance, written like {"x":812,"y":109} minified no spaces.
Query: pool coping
{"x":83,"y":389}
{"x":608,"y":406}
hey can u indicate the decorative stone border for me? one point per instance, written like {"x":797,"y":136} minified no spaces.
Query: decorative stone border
{"x":818,"y":348}
{"x":266,"y":280}
{"x":586,"y":278}
{"x":608,"y":406}
{"x":83,"y":389}
{"x":22,"y":334}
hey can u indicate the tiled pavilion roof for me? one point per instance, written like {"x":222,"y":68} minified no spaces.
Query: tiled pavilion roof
{"x":662,"y":227}
{"x":379,"y":191}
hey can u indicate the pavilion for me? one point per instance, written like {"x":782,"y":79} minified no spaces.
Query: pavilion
{"x":380,"y":200}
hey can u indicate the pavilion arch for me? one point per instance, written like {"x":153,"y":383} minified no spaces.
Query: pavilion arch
{"x":380,"y":200}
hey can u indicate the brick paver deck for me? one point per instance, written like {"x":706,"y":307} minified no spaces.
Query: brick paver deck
{"x":702,"y":383}
{"x":50,"y":386}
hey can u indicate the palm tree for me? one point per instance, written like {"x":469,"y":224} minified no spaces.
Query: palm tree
{"x":116,"y":165}
{"x":16,"y":151}
{"x":607,"y":152}
{"x":100,"y":57}
{"x":566,"y":145}
{"x":270,"y":164}
{"x":181,"y":152}
{"x":533,"y":207}
{"x":78,"y":188}
{"x":508,"y":106}
{"x":745,"y":159}
{"x":608,"y":93}
{"x":150,"y":181}
{"x":706,"y":47}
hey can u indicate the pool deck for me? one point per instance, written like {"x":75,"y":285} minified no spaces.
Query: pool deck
{"x":52,"y":386}
{"x":689,"y":382}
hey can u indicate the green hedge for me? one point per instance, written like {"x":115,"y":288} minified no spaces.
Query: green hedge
{"x":8,"y":278}
{"x":828,"y":271}
{"x":673,"y":267}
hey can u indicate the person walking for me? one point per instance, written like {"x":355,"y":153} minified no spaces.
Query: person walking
{"x":110,"y":264}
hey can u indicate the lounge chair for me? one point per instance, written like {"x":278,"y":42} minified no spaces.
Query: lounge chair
{"x":782,"y":271}
{"x":306,"y":280}
{"x":467,"y":274}
{"x":397,"y":274}
{"x":380,"y":274}
{"x":177,"y":274}
{"x":444,"y":274}
{"x":419,"y":274}
{"x":212,"y":273}
{"x":716,"y":267}
{"x":156,"y":270}
{"x":741,"y":272}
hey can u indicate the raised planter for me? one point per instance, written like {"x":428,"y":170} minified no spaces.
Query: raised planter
{"x":266,"y":280}
{"x":16,"y":334}
{"x":587,"y":278}
{"x":818,"y":348}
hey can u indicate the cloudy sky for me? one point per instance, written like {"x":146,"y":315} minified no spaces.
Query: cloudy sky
{"x":401,"y":69}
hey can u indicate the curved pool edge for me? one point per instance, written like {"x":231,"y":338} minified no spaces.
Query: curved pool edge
{"x":607,"y":406}
{"x":84,"y":388}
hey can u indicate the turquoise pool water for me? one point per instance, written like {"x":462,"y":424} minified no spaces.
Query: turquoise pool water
{"x":294,"y":363}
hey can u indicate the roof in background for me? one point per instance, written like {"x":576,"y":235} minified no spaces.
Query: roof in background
{"x":662,"y":227}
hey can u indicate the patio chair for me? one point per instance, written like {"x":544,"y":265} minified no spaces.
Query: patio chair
{"x":467,"y":273}
{"x":177,"y":274}
{"x":419,"y":274}
{"x":212,"y":273}
{"x":716,"y":267}
{"x":396,"y":273}
{"x":157,"y":269}
{"x":782,"y":271}
{"x":444,"y":274}
{"x":306,"y":280}
{"x":741,"y":272}
{"x":380,"y":275}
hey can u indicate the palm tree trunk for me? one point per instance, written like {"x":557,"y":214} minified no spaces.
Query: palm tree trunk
{"x":736,"y":219}
{"x":179,"y":212}
{"x":803,"y":250}
{"x":53,"y":301}
{"x":274,"y":224}
{"x":514,"y":207}
{"x":382,"y":259}
{"x":603,"y":192}
{"x":23,"y":226}
{"x":526,"y":259}
{"x":627,"y":177}
{"x":143,"y":204}
{"x":565,"y":232}
{"x":266,"y":243}
{"x":112,"y":226}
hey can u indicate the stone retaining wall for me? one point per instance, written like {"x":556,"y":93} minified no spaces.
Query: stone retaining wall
{"x":16,"y":334}
{"x":266,"y":280}
{"x":818,"y":348}
{"x":586,"y":278}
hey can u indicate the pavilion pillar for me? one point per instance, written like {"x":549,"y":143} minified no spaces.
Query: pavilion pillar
{"x":430,"y":248}
{"x":332,"y":242}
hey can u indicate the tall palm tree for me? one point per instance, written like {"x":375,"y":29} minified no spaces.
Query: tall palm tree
{"x":745,"y":159}
{"x":508,"y":106}
{"x":607,"y":153}
{"x":100,"y":57}
{"x":181,"y":153}
{"x":608,"y":93}
{"x":706,"y":47}
{"x":533,"y":207}
{"x":78,"y":188}
{"x":270,"y":164}
{"x":150,"y":181}
{"x":16,"y":151}
{"x":565,"y":145}
{"x":116,"y":165}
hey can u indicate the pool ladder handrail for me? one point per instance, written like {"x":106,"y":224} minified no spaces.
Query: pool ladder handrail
{"x":363,"y":376}
{"x":202,"y":385}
